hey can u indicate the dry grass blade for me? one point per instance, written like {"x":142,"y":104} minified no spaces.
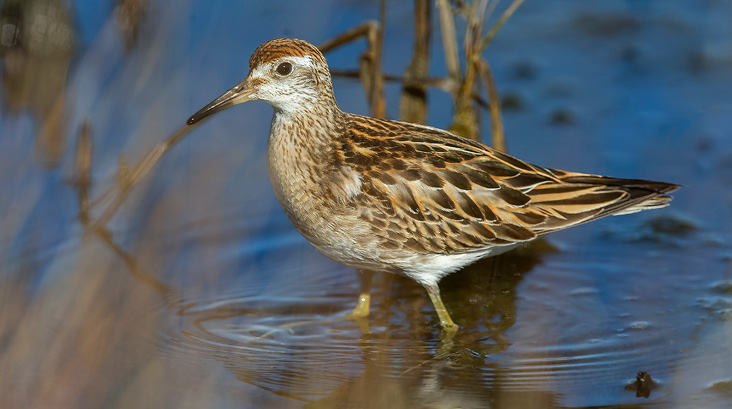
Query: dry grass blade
{"x":466,"y":117}
{"x":449,"y":39}
{"x":413,"y":104}
{"x":499,"y":139}
{"x":129,"y":177}
{"x":415,"y":82}
{"x":168,"y":294}
{"x":494,"y":30}
{"x":82,"y":181}
{"x":376,"y":45}
{"x":347,"y":37}
{"x":474,"y":27}
{"x":466,"y":121}
{"x":440,"y":83}
{"x":370,"y":62}
{"x":82,"y":168}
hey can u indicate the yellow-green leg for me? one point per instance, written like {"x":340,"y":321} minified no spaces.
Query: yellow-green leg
{"x":447,"y":324}
{"x":360,"y":311}
{"x":364,"y":299}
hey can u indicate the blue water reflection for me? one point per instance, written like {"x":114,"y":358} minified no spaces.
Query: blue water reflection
{"x":183,"y":302}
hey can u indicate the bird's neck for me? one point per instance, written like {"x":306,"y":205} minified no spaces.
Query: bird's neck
{"x":310,"y":127}
{"x":302,"y":146}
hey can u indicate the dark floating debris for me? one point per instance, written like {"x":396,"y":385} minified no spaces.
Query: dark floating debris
{"x":607,"y":24}
{"x":561,"y":116}
{"x":512,"y":102}
{"x":642,"y":385}
{"x":669,"y":229}
{"x":524,"y":70}
{"x":671,"y":225}
{"x":629,"y":54}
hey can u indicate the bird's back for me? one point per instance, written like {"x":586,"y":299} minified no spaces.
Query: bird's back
{"x":425,"y":190}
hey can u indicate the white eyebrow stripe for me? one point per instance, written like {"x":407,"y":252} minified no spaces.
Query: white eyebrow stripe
{"x":301,"y":61}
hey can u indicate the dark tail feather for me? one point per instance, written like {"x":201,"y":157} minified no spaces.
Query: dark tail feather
{"x":643,"y":194}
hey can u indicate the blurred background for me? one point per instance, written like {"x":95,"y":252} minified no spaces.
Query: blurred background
{"x":175,"y":298}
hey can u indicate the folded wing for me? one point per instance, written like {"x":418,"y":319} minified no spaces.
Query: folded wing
{"x":460,"y":196}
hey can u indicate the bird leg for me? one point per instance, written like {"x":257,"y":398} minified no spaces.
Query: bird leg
{"x":445,"y":321}
{"x":360,"y":311}
{"x":364,"y":298}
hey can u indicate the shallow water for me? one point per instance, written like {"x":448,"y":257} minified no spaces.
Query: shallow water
{"x":184,"y":303}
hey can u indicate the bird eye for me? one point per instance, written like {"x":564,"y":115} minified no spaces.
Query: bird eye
{"x":284,"y":69}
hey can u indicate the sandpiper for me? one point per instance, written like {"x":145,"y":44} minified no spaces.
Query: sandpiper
{"x":382,"y":195}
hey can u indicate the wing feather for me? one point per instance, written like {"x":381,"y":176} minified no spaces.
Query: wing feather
{"x":429,"y":191}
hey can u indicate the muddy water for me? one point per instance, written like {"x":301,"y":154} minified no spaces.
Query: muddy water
{"x":201,"y":294}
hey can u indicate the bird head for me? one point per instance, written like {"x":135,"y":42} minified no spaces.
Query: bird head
{"x":289,"y":74}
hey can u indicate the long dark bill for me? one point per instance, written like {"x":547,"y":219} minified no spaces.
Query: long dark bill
{"x":237,"y":95}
